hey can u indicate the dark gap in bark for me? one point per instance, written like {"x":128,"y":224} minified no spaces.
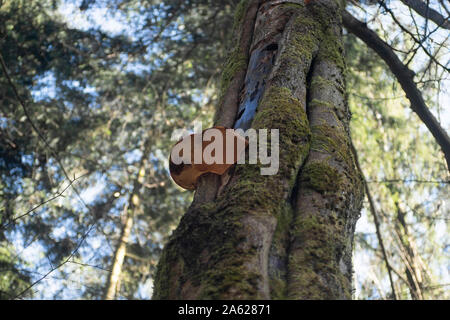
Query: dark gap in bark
{"x":240,"y":114}
{"x":255,"y":91}
{"x":272,"y":47}
{"x":308,"y":86}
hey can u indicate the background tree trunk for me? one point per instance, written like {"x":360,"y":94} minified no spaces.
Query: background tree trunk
{"x":288,"y":235}
{"x":131,"y":209}
{"x":113,"y":283}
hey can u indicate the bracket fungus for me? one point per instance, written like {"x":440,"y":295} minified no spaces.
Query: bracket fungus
{"x":214,"y":150}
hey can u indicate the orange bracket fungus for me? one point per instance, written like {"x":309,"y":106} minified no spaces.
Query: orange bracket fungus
{"x":214,"y":150}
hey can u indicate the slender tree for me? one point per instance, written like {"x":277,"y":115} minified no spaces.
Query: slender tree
{"x":130,"y":210}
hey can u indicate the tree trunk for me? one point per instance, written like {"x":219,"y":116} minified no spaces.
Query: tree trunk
{"x":112,"y":286}
{"x":288,"y":235}
{"x":130,"y":210}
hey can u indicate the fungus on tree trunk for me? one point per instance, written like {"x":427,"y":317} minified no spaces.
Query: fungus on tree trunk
{"x":215,"y":150}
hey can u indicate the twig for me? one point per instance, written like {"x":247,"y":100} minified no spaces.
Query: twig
{"x":88,"y":265}
{"x":404,"y":76}
{"x":426,"y":12}
{"x":377,"y":223}
{"x":58,"y":266}
{"x":27,"y":115}
{"x":57,"y":195}
{"x":35,"y":128}
{"x":408,"y":180}
{"x":419,"y":42}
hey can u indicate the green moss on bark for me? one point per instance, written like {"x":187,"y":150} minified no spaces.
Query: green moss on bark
{"x":237,"y":61}
{"x":332,"y":49}
{"x":168,"y":274}
{"x":279,"y":109}
{"x":320,"y":176}
{"x":302,"y":40}
{"x":329,"y":140}
{"x":319,"y":240}
{"x":239,"y":13}
{"x":319,"y":83}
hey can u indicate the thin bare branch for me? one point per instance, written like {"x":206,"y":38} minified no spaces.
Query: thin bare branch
{"x":377,"y":224}
{"x":35,"y":128}
{"x":415,"y":39}
{"x":68,"y":259}
{"x":57,"y":195}
{"x":425,"y":11}
{"x":409,"y":181}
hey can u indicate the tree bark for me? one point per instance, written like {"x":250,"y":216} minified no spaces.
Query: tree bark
{"x":289,"y":235}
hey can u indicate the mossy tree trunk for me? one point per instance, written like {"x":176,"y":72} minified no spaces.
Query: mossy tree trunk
{"x":287,"y":235}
